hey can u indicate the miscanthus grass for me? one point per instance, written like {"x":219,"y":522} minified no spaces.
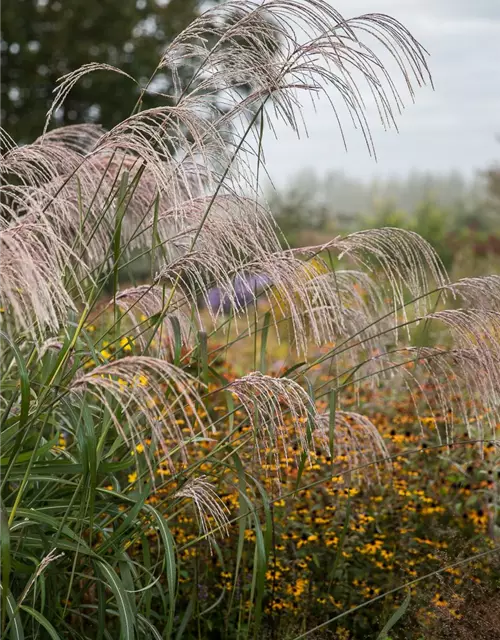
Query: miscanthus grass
{"x":107,"y":398}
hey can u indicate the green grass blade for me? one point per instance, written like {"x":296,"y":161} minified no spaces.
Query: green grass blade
{"x":332,"y":403}
{"x":155,"y":237}
{"x":242,"y":522}
{"x":16,"y":627}
{"x":188,"y":613}
{"x":154,"y":631}
{"x":127,"y":577}
{"x":123,"y":529}
{"x":263,"y":342}
{"x":120,"y":212}
{"x":203,"y":355}
{"x":177,"y":339}
{"x":262,"y":550}
{"x":42,"y":620}
{"x":101,"y":609}
{"x":396,"y":616}
{"x":338,"y":555}
{"x":24,"y":384}
{"x":170,"y":563}
{"x":5,"y":558}
{"x":127,"y":620}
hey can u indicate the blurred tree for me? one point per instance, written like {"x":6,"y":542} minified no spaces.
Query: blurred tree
{"x":386,"y":214}
{"x":490,"y":209}
{"x":493,"y":186}
{"x":448,"y":210}
{"x":44,"y":39}
{"x":301,"y":210}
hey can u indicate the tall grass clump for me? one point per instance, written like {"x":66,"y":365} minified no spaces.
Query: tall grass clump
{"x":132,"y":455}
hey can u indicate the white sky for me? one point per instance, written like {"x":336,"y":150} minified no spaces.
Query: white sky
{"x":453,"y":127}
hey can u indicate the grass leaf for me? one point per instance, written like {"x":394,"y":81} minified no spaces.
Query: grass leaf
{"x":396,"y":616}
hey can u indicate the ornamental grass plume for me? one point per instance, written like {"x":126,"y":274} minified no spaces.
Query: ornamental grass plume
{"x":143,"y":302}
{"x":118,"y":418}
{"x":153,"y":395}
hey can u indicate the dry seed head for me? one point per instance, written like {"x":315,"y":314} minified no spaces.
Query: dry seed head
{"x":356,"y":442}
{"x":152,"y":394}
{"x":174,"y":155}
{"x":272,"y":405}
{"x":33,"y":263}
{"x":146,"y":301}
{"x":211,"y":512}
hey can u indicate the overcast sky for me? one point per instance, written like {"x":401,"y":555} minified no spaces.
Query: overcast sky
{"x":453,"y":127}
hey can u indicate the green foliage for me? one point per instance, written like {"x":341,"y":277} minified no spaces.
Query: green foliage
{"x":457,"y":218}
{"x":493,"y":183}
{"x":432,"y":222}
{"x":301,"y":210}
{"x":347,"y":197}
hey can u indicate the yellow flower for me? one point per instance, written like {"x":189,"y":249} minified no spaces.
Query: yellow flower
{"x":163,"y":472}
{"x":273,"y":575}
{"x":371,"y":548}
{"x":298,"y":588}
{"x":127,"y":343}
{"x":439,"y":601}
{"x":479,"y":518}
{"x":132,"y":477}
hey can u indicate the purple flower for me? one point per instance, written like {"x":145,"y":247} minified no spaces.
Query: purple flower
{"x":246,"y":287}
